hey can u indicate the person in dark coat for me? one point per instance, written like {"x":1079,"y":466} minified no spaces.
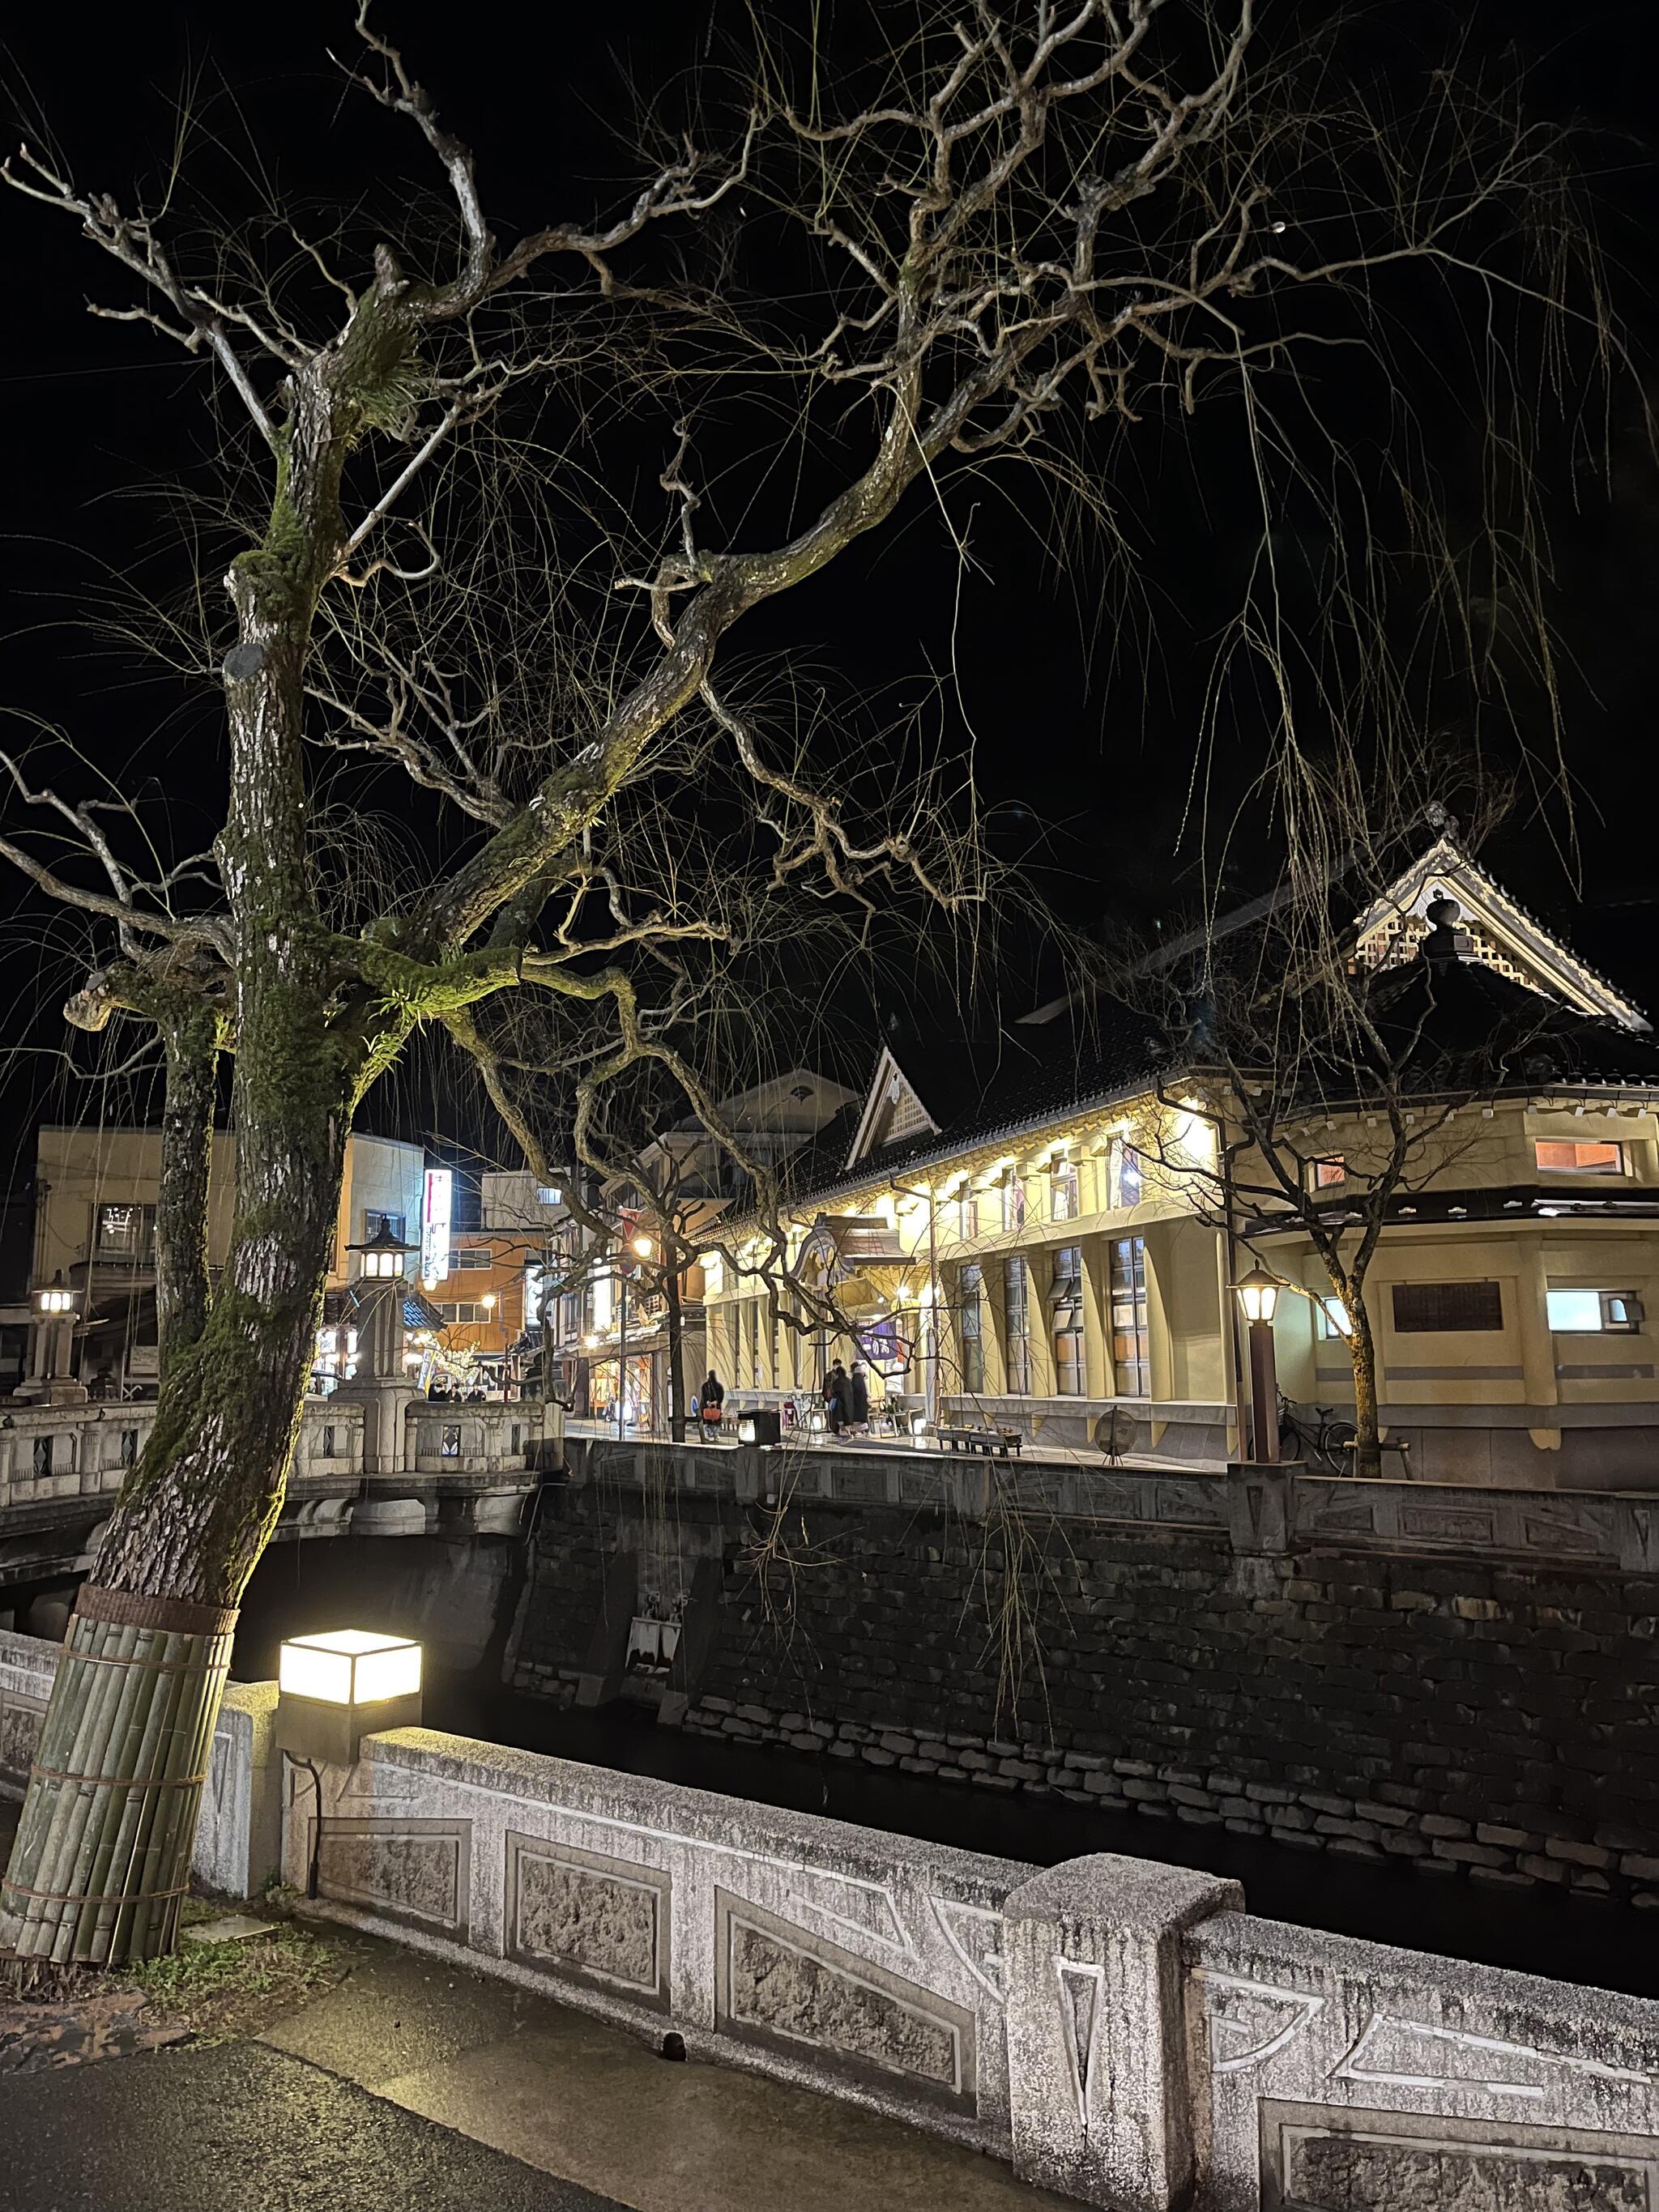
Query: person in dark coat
{"x":838,"y":1391}
{"x":858,"y":1397}
{"x":710,"y":1400}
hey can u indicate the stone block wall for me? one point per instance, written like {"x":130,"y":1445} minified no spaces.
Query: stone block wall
{"x":1484,"y":1719}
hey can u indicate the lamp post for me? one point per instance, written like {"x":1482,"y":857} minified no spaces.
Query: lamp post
{"x":51,"y":1351}
{"x":1258,"y":1296}
{"x":644,"y":1247}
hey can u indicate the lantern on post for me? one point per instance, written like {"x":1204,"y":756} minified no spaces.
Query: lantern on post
{"x":54,"y":1306}
{"x":1258,"y":1296}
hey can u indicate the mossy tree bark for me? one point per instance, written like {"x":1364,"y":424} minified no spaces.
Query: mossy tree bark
{"x":102,"y":1854}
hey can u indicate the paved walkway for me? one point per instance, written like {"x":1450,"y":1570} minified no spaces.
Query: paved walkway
{"x":415,"y":2084}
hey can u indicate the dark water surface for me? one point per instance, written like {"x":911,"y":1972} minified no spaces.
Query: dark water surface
{"x":1539,"y":1931}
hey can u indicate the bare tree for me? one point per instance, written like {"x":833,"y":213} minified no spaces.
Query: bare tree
{"x":1336,"y":1084}
{"x":1018,"y":231}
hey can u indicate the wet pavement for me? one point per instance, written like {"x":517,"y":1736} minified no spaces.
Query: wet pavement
{"x":412,"y":2083}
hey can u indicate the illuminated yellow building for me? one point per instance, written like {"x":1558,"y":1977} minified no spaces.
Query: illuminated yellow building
{"x":1042,"y":1250}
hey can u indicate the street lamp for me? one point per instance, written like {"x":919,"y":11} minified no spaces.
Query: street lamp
{"x":1258,"y":1296}
{"x":54,"y":1299}
{"x":335,"y":1688}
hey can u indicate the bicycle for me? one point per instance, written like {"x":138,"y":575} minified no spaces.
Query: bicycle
{"x":1325,"y":1443}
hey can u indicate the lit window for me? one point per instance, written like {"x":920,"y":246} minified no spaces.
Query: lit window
{"x":1016,"y":1313}
{"x":970,"y":1329}
{"x":1127,"y":1178}
{"x":1579,"y":1155}
{"x":1132,"y":1368}
{"x":1328,"y":1174}
{"x":374,"y":1223}
{"x":1014,"y":1202}
{"x":1066,"y":1300}
{"x":1593,"y":1313}
{"x":124,"y":1232}
{"x":1062,"y":1190}
{"x":1331,"y":1319}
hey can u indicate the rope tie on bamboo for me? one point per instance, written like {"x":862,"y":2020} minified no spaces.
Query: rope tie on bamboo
{"x":175,"y":1616}
{"x":120,"y":1781}
{"x":74,"y":1897}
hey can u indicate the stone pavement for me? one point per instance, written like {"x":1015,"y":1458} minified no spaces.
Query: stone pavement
{"x":413,"y":2083}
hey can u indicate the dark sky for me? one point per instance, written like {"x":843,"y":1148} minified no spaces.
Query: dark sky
{"x":1087,"y":714}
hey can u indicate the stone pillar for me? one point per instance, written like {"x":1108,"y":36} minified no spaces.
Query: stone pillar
{"x":1262,"y":1506}
{"x":1100,"y":2102}
{"x":1098,"y":1314}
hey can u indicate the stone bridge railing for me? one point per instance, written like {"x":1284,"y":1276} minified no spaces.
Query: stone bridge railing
{"x":1269,"y":1511}
{"x":52,"y":1455}
{"x":58,"y":1461}
{"x":1121,"y":2031}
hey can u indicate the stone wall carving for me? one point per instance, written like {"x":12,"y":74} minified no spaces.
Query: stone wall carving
{"x":412,"y":1870}
{"x":20,"y":1717}
{"x":1346,"y":2076}
{"x":601,"y":1920}
{"x":778,"y":1983}
{"x":1315,"y":2159}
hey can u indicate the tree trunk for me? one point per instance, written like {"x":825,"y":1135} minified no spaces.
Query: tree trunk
{"x":102,"y":1856}
{"x":1362,"y":1351}
{"x":191,"y":1033}
{"x":670,"y":1285}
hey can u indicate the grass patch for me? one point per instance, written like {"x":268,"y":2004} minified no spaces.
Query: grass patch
{"x":219,"y":1989}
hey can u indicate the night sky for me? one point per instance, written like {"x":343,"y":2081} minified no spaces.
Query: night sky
{"x":1086,"y":703}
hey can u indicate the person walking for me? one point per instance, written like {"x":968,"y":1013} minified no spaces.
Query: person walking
{"x":837,"y":1393}
{"x":858,"y":1397}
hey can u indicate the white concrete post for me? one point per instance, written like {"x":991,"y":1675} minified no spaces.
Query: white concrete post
{"x":1099,"y":2099}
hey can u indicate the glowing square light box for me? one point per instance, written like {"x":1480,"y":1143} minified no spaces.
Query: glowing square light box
{"x":349,"y":1666}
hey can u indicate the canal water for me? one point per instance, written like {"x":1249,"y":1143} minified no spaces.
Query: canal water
{"x":305,"y":1586}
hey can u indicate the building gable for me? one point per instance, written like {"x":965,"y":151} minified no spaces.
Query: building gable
{"x":893,"y":1113}
{"x":1502,"y":935}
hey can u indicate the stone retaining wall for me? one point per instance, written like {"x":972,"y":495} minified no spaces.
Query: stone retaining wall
{"x":1479,"y":1717}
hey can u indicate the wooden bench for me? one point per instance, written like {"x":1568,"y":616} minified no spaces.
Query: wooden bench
{"x":1002,"y":1441}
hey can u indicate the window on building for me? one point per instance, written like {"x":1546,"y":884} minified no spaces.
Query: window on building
{"x":1017,"y":1321}
{"x":124,"y":1232}
{"x":374,"y":1221}
{"x":1125,"y":1164}
{"x":1328,"y":1174}
{"x":970,"y":1329}
{"x":465,"y":1313}
{"x":546,"y":1196}
{"x":1593,"y":1313}
{"x":1132,"y":1342}
{"x":1579,"y":1155}
{"x":470,"y":1259}
{"x":1062,"y":1191}
{"x":750,"y":1313}
{"x":1013,"y":1201}
{"x":1331,"y":1319}
{"x":1431,"y":1308}
{"x":1066,"y":1300}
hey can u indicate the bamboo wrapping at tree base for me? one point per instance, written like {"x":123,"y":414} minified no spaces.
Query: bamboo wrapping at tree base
{"x":101,"y":1862}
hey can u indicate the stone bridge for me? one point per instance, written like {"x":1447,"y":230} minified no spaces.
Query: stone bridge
{"x":463,"y":1469}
